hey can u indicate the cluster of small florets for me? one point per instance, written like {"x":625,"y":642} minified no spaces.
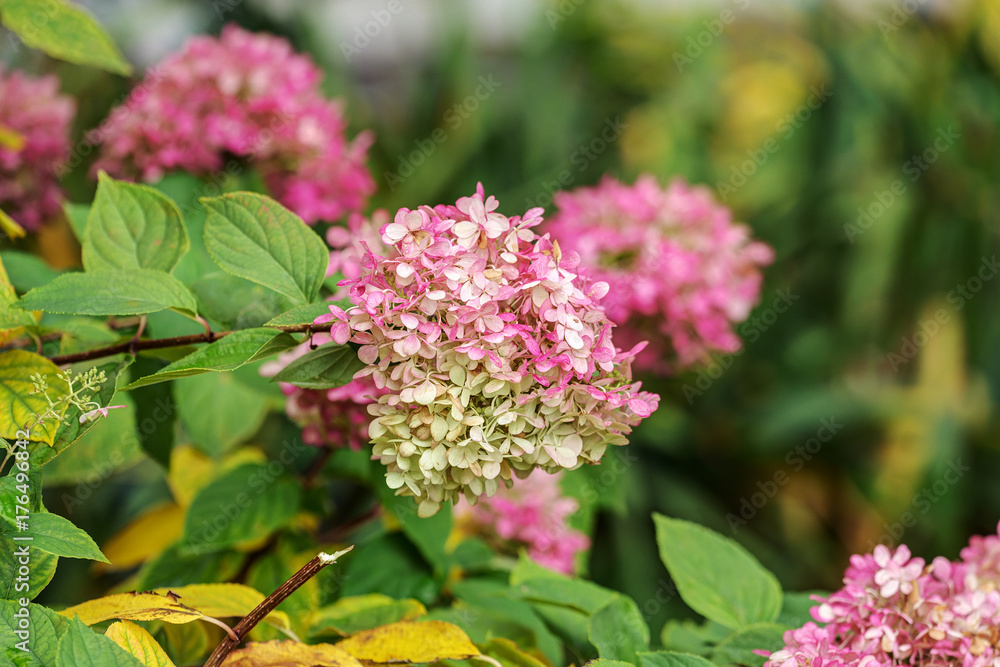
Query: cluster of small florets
{"x":249,"y":96}
{"x":34,"y":142}
{"x":533,"y":514}
{"x":351,"y":243}
{"x":334,"y":418}
{"x":495,"y":355}
{"x":681,"y":272}
{"x":897,"y":610}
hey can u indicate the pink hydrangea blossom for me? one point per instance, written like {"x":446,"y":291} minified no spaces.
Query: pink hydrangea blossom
{"x":897,"y":610}
{"x":351,"y":243}
{"x":34,"y":141}
{"x":249,"y":96}
{"x":335,"y":417}
{"x":681,"y":273}
{"x":495,"y":355}
{"x":533,"y":514}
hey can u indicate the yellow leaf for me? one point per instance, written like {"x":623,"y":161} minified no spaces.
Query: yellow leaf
{"x":12,"y":320}
{"x":190,"y":470}
{"x":138,"y":643}
{"x":363,"y":612}
{"x":224,"y":600}
{"x":408,"y":641}
{"x":18,"y":407}
{"x":133,"y":607}
{"x":145,"y":537}
{"x":11,"y":138}
{"x":10,"y":227}
{"x":289,"y":654}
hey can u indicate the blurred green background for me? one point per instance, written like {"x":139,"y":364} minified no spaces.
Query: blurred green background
{"x":861,"y":142}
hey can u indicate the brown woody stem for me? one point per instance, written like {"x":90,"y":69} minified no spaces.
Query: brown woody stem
{"x":176,"y":341}
{"x":249,"y":621}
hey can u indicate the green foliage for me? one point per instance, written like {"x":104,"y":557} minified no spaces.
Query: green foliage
{"x":64,"y":31}
{"x":133,"y":227}
{"x":237,"y":411}
{"x":82,"y":647}
{"x":715,"y":576}
{"x":326,"y":367}
{"x":255,"y":237}
{"x":240,"y":506}
{"x":133,"y":292}
{"x":226,"y":354}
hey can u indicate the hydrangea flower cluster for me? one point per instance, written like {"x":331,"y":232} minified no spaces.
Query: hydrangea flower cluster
{"x":898,"y":610}
{"x":34,"y":141}
{"x":352,"y":243}
{"x":681,"y":272}
{"x":495,"y":355}
{"x":333,"y":418}
{"x":249,"y":96}
{"x":532,"y":513}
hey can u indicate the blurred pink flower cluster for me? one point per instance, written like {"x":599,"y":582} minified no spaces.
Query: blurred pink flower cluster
{"x":681,"y":273}
{"x":34,"y":141}
{"x":495,"y":355}
{"x":532,"y":513}
{"x":897,"y":610}
{"x":329,"y":417}
{"x":247,"y":96}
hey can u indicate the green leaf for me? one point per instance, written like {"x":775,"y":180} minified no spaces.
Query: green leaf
{"x":64,"y":31}
{"x":255,"y":237}
{"x":218,"y":411}
{"x":672,"y":659}
{"x":601,"y":662}
{"x":134,"y":292}
{"x":234,"y":303}
{"x":326,"y":367}
{"x":77,"y":215}
{"x":795,"y":608}
{"x":428,"y":535}
{"x":27,"y":271}
{"x":155,"y":412}
{"x":618,"y":630}
{"x":536,"y":583}
{"x":391,"y":565}
{"x":716,"y":576}
{"x":176,"y":568}
{"x":82,"y":647}
{"x":739,"y":647}
{"x":41,"y":568}
{"x":244,"y":504}
{"x":226,"y":354}
{"x":300,"y":315}
{"x":56,"y":535}
{"x":132,"y":227}
{"x":47,"y":628}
